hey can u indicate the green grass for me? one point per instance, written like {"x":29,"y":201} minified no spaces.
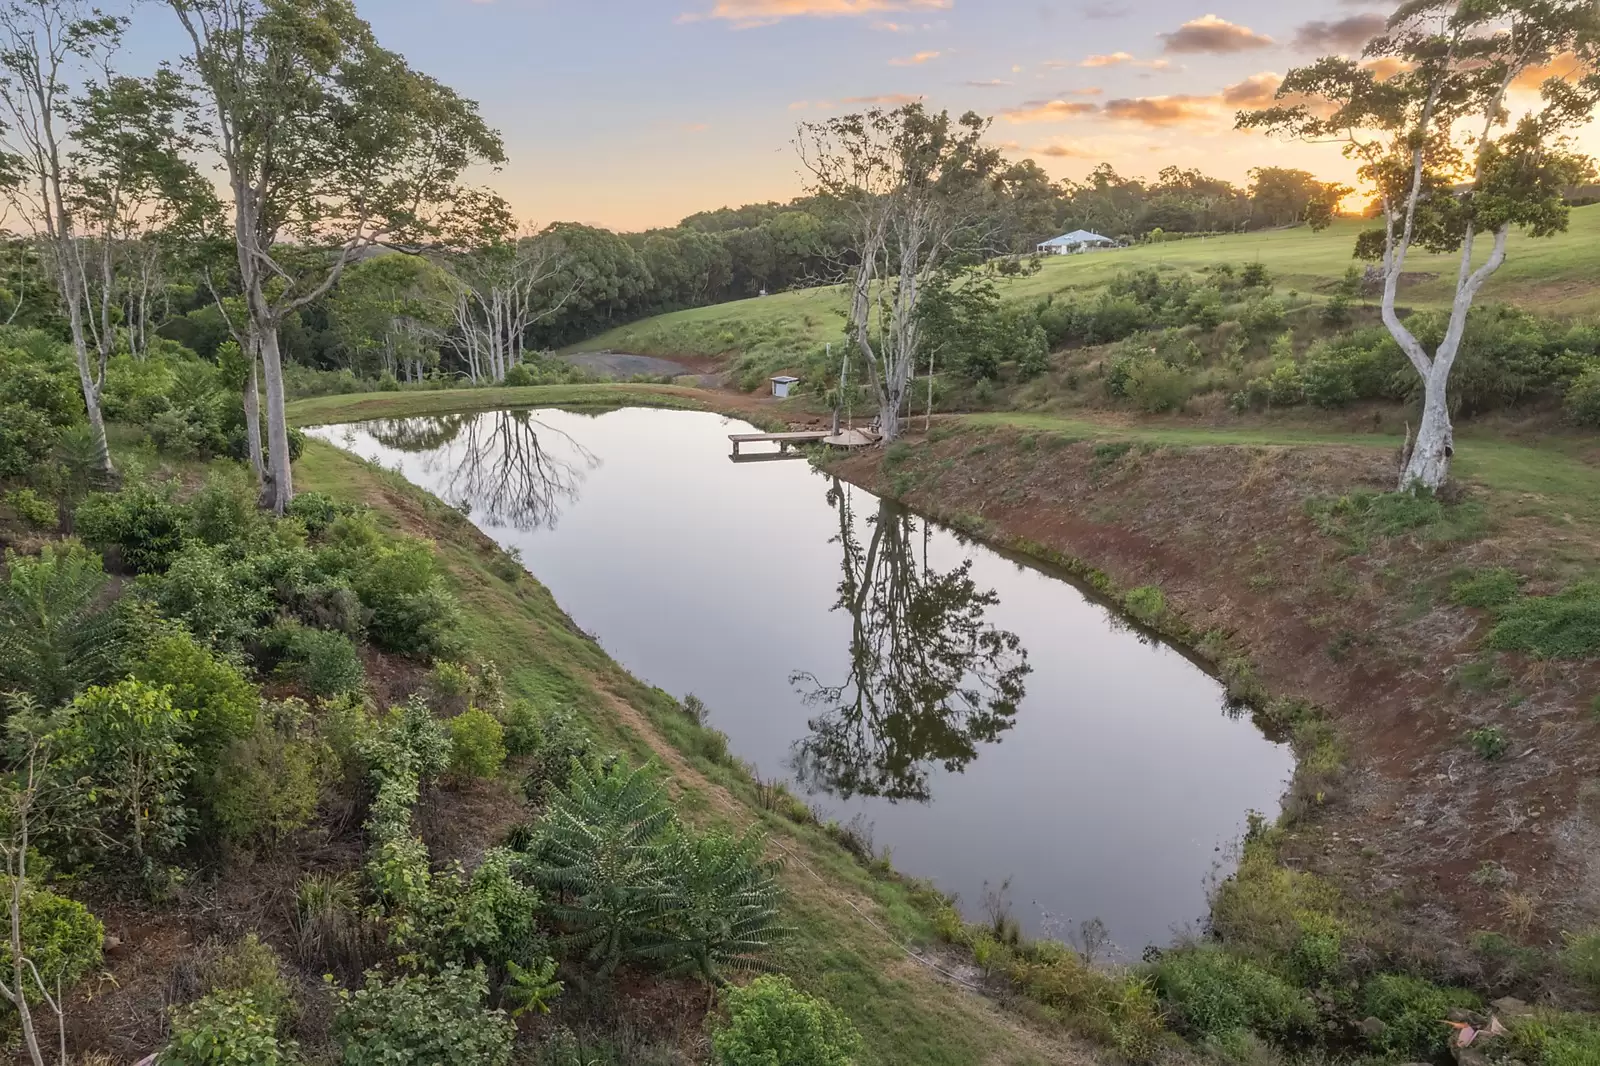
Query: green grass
{"x":358,"y":407}
{"x":906,"y":1015}
{"x":1546,"y":275}
{"x":1548,"y":481}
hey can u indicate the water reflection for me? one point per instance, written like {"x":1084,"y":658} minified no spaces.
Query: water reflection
{"x":506,"y":467}
{"x":929,"y":678}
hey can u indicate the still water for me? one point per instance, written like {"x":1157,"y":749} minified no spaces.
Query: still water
{"x":985,"y":719}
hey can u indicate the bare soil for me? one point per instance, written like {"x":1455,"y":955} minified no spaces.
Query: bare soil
{"x":1371,"y":638}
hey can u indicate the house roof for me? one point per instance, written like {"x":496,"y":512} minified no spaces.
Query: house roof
{"x":1077,"y":236}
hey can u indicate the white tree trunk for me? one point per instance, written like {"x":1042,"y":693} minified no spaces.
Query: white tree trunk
{"x":252,"y":416}
{"x":1429,"y":462}
{"x":280,"y":481}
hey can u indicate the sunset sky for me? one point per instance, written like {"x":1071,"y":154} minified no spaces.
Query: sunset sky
{"x":634,"y":113}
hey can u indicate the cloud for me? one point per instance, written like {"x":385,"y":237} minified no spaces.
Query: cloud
{"x":1059,"y":151}
{"x":885,"y":26}
{"x":1049,"y":111}
{"x":991,"y":83}
{"x":1210,"y":34}
{"x":1385,"y":68}
{"x":1258,"y":90}
{"x":1346,"y":35}
{"x":915,"y":60}
{"x":1117,"y":59}
{"x":1565,"y":66}
{"x":1162,"y":110}
{"x":745,"y":14}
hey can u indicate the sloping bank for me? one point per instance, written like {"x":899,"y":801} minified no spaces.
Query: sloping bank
{"x":852,"y":922}
{"x":1433,"y":659}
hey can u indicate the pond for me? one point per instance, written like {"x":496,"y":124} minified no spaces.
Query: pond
{"x":984,"y":720}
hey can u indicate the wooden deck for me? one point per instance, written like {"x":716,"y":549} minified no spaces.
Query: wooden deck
{"x":854,"y":438}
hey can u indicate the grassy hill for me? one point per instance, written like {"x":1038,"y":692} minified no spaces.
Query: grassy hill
{"x":1554,"y":276}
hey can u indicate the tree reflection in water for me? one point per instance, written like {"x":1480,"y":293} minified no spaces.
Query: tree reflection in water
{"x":929,"y":679}
{"x":507,"y":467}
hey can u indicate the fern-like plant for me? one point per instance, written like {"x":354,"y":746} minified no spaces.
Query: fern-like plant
{"x":723,"y":899}
{"x":601,"y":858}
{"x":56,"y":632}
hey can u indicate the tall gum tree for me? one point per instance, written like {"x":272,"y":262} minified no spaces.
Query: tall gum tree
{"x":1438,"y":143}
{"x":331,"y":146}
{"x":47,"y":49}
{"x":913,"y":184}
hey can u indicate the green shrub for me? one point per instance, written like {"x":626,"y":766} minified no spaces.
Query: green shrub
{"x":1413,"y":1012}
{"x":1583,"y":399}
{"x":560,"y":740}
{"x":224,"y":509}
{"x":226,"y":1029}
{"x":1213,"y":993}
{"x":1581,"y":959}
{"x":1146,"y":603}
{"x":221,"y":704}
{"x":411,"y":612}
{"x":32,"y":508}
{"x":1563,"y":626}
{"x":772,"y":1023}
{"x":1361,"y":516}
{"x":1158,"y":387}
{"x":268,"y":782}
{"x":520,"y":724}
{"x":56,"y":634}
{"x":59,"y":936}
{"x":1115,"y":1007}
{"x":1493,"y":587}
{"x":316,"y":510}
{"x":477,"y":745}
{"x":144,"y":524}
{"x":216,"y":598}
{"x":427,"y":1019}
{"x":250,"y":965}
{"x":122,"y":746}
{"x":518,"y":375}
{"x":1490,"y":742}
{"x":326,"y":662}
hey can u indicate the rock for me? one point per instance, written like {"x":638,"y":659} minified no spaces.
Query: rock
{"x":1472,"y":1018}
{"x":1372,"y":1028}
{"x":112,"y":942}
{"x":1511,"y":1007}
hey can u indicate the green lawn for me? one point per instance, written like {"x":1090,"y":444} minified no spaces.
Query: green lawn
{"x":1554,"y":275}
{"x":358,"y":407}
{"x":1545,"y":481}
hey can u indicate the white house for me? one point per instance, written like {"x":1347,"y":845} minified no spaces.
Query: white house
{"x":1079,"y":240}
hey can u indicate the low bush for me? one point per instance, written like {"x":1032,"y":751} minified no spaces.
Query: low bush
{"x":1583,"y":399}
{"x":1158,"y":387}
{"x":224,"y":509}
{"x":60,"y":937}
{"x":518,"y":376}
{"x":56,"y":633}
{"x":226,"y":1028}
{"x":316,"y":510}
{"x":560,"y":742}
{"x":220,"y":702}
{"x":433,"y":1019}
{"x":32,"y":508}
{"x":324,"y":661}
{"x":217,"y":598}
{"x":1580,"y":958}
{"x":1116,"y":1007}
{"x":1146,"y":603}
{"x":477,"y":745}
{"x":772,"y":1023}
{"x":1492,"y":587}
{"x":1413,"y":1013}
{"x":520,"y":724}
{"x":144,"y":524}
{"x":1563,"y":626}
{"x":410,"y":611}
{"x":1361,"y":516}
{"x":250,"y":965}
{"x":1213,"y":993}
{"x":267,"y":783}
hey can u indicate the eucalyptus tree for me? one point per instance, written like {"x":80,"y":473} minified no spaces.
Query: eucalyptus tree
{"x":392,"y":308}
{"x":913,"y":183}
{"x":502,"y":290}
{"x":929,"y":678}
{"x":1450,"y":168}
{"x":47,"y":48}
{"x":331,"y":146}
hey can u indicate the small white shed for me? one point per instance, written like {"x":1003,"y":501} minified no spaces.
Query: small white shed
{"x":781,"y":385}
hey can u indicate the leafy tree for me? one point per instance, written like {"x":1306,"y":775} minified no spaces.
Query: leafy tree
{"x":122,"y":746}
{"x":1434,"y":140}
{"x":392,"y":308}
{"x":725,"y":902}
{"x":913,"y":184}
{"x":332,"y":145}
{"x":219,"y":701}
{"x":929,"y":679}
{"x":1283,"y":196}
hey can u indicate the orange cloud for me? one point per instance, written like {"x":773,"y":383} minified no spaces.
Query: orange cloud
{"x":885,"y":26}
{"x":990,"y":83}
{"x":1117,"y":59}
{"x":886,"y":99}
{"x":1162,"y":110}
{"x":1566,"y":66}
{"x":1048,"y":111}
{"x":747,"y":13}
{"x":1210,"y":34}
{"x":1258,"y":90}
{"x":915,"y":60}
{"x":1059,"y":151}
{"x":1385,"y":68}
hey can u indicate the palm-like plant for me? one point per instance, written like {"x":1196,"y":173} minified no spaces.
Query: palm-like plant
{"x":723,"y":900}
{"x":57,"y":634}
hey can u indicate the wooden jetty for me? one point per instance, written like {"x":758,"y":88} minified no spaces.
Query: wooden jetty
{"x":850,"y":438}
